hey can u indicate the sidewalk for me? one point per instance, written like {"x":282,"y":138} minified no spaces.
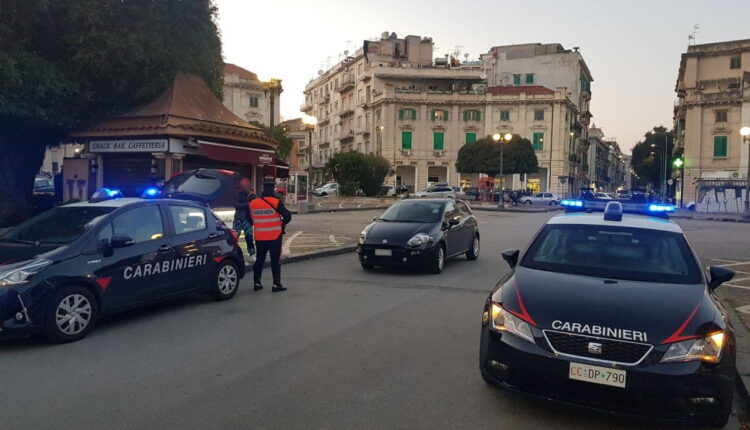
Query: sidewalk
{"x":705,"y":216}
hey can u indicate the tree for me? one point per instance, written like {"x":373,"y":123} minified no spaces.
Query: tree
{"x":67,"y":64}
{"x":483,"y":156}
{"x":281,"y":135}
{"x":649,"y":167}
{"x":355,"y":170}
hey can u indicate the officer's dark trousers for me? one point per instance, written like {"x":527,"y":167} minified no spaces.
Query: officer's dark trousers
{"x":273,"y":247}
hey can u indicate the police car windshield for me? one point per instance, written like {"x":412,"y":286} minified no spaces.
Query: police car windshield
{"x":414,"y":211}
{"x":614,"y":253}
{"x":60,"y":225}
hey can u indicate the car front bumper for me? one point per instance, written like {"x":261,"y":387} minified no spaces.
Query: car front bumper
{"x":17,"y":317}
{"x":671,"y":391}
{"x":417,"y":257}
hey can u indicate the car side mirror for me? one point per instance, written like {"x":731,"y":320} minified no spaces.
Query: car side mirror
{"x":120,"y":241}
{"x":718,"y":276}
{"x":453,"y":222}
{"x":511,"y":257}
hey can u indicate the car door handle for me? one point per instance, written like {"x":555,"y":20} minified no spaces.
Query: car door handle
{"x":213,"y":235}
{"x":164,"y":248}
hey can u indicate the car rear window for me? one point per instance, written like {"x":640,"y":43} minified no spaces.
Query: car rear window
{"x":614,"y":252}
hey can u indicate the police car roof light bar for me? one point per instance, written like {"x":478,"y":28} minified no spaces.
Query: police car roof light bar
{"x":572,"y":205}
{"x":150,"y":193}
{"x":613,"y":211}
{"x":104,"y":193}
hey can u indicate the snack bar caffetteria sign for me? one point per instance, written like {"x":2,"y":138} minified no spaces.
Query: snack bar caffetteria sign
{"x":137,"y":145}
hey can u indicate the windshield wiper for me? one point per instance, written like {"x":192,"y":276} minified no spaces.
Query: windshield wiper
{"x":25,"y":242}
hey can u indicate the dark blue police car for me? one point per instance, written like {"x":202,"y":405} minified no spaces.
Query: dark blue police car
{"x":612,"y":311}
{"x":66,"y":267}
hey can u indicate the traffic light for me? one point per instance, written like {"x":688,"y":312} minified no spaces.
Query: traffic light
{"x":678,"y":163}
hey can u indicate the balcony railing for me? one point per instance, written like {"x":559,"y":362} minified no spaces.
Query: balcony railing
{"x":306,"y":106}
{"x":345,"y":85}
{"x":346,"y":112}
{"x":324,"y":100}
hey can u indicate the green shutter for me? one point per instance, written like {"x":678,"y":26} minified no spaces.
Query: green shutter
{"x":414,"y":114}
{"x":400,"y":114}
{"x":438,"y":141}
{"x":478,"y":115}
{"x":467,"y":115}
{"x":445,"y":115}
{"x":405,"y":140}
{"x":432,"y":115}
{"x":530,"y":78}
{"x":720,"y":146}
{"x":471,"y":137}
{"x":516,"y":79}
{"x":538,"y":141}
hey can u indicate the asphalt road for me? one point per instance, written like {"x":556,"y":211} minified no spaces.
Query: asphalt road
{"x":343,"y":348}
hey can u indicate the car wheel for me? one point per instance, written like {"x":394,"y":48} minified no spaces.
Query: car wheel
{"x":438,"y":262}
{"x":552,"y":203}
{"x":367,"y":266}
{"x":71,"y":315}
{"x":323,"y":194}
{"x":226,"y":282}
{"x":720,"y":415}
{"x":528,"y":202}
{"x":473,"y":252}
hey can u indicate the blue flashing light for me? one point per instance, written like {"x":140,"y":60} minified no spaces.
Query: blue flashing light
{"x":150,"y":192}
{"x":106,"y":194}
{"x":660,"y":208}
{"x":572,"y":203}
{"x":112,"y":193}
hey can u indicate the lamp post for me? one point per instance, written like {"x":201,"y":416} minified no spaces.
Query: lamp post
{"x":272,"y":88}
{"x":680,"y":164}
{"x":745,"y":133}
{"x":309,"y":122}
{"x":501,"y":138}
{"x":663,"y":181}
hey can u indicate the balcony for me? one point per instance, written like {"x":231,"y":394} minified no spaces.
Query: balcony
{"x":345,"y":85}
{"x":346,"y":136}
{"x":326,"y":98}
{"x":324,"y":121}
{"x":346,"y":112}
{"x":586,"y":94}
{"x":407,"y":90}
{"x":306,"y":107}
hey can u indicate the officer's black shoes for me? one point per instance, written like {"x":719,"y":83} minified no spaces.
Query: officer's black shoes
{"x":277,"y":288}
{"x":257,"y":286}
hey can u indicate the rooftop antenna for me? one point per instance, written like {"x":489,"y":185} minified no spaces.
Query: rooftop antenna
{"x":456,"y":51}
{"x":328,"y":62}
{"x":691,"y":36}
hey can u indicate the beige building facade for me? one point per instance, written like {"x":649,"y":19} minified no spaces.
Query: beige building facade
{"x":392,"y":99}
{"x":713,"y":90}
{"x":249,"y":98}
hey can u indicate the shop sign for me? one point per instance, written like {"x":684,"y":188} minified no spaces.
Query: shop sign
{"x":265,"y":159}
{"x":139,"y":145}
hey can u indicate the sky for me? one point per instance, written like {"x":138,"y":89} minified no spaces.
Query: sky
{"x":632,"y":47}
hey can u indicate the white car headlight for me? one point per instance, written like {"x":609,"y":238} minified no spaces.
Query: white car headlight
{"x":503,"y":321}
{"x":419,"y":239}
{"x":21,"y":275}
{"x":362,"y":237}
{"x":706,"y":349}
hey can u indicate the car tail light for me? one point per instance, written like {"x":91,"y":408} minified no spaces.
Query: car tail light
{"x":235,"y":236}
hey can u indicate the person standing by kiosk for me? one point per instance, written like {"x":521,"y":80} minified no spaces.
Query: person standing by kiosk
{"x":269,"y":218}
{"x":241,"y":222}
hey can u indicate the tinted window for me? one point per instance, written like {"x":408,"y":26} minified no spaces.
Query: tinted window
{"x":414,"y":211}
{"x":451,"y":211}
{"x":548,"y":195}
{"x":60,"y":225}
{"x":613,"y":252}
{"x":141,"y":224}
{"x":463,"y":209}
{"x":186,"y":219}
{"x":196,"y":183}
{"x":538,"y":195}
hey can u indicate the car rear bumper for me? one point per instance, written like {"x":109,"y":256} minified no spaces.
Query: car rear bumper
{"x":673,"y":391}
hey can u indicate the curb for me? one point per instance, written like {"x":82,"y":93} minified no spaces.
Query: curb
{"x":318,"y":210}
{"x":719,"y":219}
{"x":308,"y":256}
{"x":742,"y":382}
{"x":520,"y":211}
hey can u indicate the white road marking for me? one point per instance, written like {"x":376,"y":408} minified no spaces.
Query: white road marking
{"x":320,"y":205}
{"x":728,"y":261}
{"x":741,"y":279}
{"x":737,"y":286}
{"x":325,"y":245}
{"x":333,"y":240}
{"x":360,"y":205}
{"x":744,"y":309}
{"x":341,"y":205}
{"x":739,"y":263}
{"x":285,"y":249}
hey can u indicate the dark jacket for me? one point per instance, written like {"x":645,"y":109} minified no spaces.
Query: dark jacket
{"x":241,"y":210}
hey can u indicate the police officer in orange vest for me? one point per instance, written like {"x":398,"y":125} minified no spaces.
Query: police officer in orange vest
{"x":269,"y":218}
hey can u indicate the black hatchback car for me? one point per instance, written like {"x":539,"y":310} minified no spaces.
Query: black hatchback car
{"x":612,"y":312}
{"x":420,"y":233}
{"x":64,"y":268}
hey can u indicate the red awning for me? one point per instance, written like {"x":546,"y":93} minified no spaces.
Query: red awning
{"x":238,"y":154}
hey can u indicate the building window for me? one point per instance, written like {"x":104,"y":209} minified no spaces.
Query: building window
{"x":539,"y":115}
{"x":721,"y":116}
{"x":253,"y":102}
{"x":472,"y":115}
{"x":438,"y":141}
{"x":537,"y":142}
{"x":439,"y":115}
{"x":504,"y":115}
{"x":405,"y":140}
{"x":720,"y":146}
{"x":529,"y":78}
{"x":377,"y":115}
{"x":471,"y":137}
{"x":516,"y":79}
{"x":407,"y":114}
{"x":735,"y":62}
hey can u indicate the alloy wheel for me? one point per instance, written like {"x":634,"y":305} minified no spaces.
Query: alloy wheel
{"x":73,"y":314}
{"x":227,"y":280}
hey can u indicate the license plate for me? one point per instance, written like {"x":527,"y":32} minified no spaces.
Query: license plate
{"x":597,"y":375}
{"x":383,"y":252}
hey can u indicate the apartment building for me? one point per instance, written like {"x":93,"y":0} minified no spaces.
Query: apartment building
{"x":392,"y":99}
{"x":713,"y":90}
{"x":249,"y":98}
{"x":609,"y":167}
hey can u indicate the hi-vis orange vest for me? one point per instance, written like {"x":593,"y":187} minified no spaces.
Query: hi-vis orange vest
{"x":266,"y":221}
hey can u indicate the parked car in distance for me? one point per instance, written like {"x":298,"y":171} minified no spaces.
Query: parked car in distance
{"x":604,"y":196}
{"x":437,"y":191}
{"x":459,"y":193}
{"x":387,"y":190}
{"x":541,"y":199}
{"x":472,"y":193}
{"x":331,"y":189}
{"x":44,"y":186}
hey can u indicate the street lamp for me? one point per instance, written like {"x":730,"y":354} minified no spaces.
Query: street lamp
{"x":745,"y":133}
{"x":664,"y":160}
{"x":498,"y":138}
{"x":309,"y":122}
{"x":680,"y":164}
